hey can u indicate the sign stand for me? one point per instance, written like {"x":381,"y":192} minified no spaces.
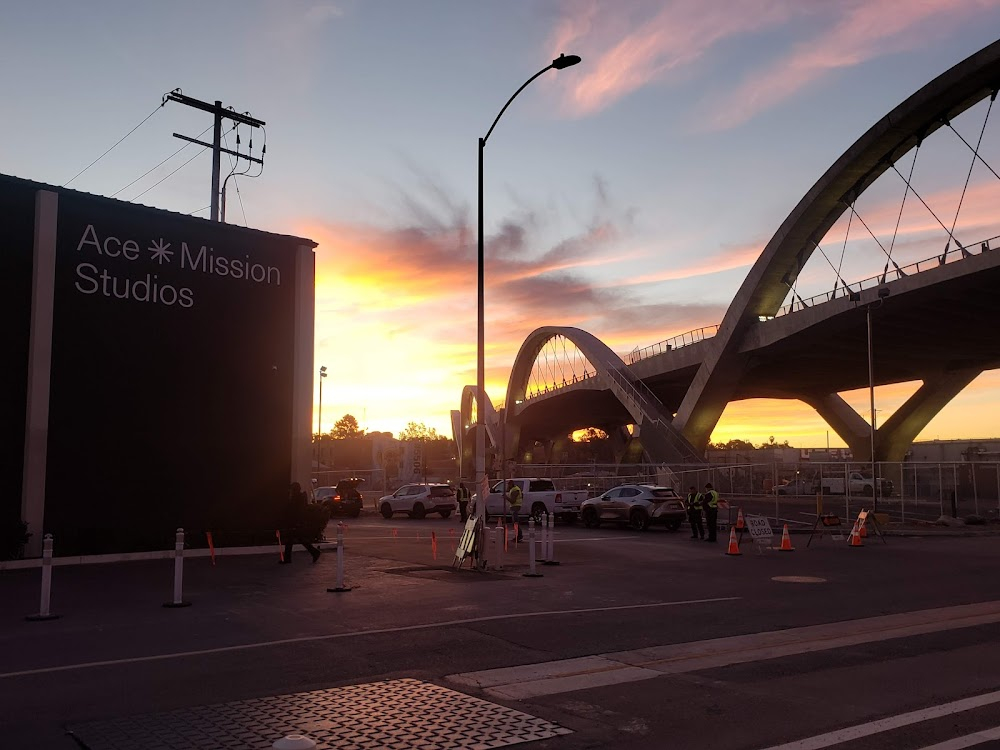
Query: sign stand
{"x":471,"y":544}
{"x":867,"y":518}
{"x":824,"y":522}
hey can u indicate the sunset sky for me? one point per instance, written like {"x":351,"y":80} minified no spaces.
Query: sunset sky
{"x":628,"y":195}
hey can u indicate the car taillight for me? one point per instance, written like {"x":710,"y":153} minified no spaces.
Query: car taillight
{"x":558,"y":498}
{"x":336,"y":498}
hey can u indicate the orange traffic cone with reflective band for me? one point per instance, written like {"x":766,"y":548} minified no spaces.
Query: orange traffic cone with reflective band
{"x":786,"y":541}
{"x":856,"y":537}
{"x":863,"y":531}
{"x":740,"y":523}
{"x":734,"y":546}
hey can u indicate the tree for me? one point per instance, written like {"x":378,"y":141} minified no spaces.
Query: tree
{"x":419,"y":431}
{"x":346,"y":427}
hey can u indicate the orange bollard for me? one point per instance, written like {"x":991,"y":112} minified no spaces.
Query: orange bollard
{"x":434,"y":545}
{"x":211,"y":546}
{"x":786,"y":541}
{"x":281,"y":548}
{"x":734,"y":546}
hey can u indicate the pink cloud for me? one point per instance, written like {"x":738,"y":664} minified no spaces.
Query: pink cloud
{"x":627,"y":45}
{"x":866,"y":30}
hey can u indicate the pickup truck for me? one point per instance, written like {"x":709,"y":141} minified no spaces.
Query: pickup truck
{"x":857,"y":484}
{"x":540,"y":496}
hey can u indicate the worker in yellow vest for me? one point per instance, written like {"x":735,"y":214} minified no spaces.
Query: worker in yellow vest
{"x":710,"y":502}
{"x":515,"y":497}
{"x":694,"y":513}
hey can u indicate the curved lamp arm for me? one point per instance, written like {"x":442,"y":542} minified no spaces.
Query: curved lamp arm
{"x":563,"y":61}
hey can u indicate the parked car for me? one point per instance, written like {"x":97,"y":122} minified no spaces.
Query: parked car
{"x":797,"y":487}
{"x":417,"y":500}
{"x":343,"y":500}
{"x":857,"y":483}
{"x":638,"y":505}
{"x":538,"y":496}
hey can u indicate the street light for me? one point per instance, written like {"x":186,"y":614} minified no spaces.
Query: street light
{"x":319,"y":419}
{"x":883,"y":292}
{"x":563,"y":61}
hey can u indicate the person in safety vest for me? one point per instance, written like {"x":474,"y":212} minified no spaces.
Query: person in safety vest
{"x":515,"y":497}
{"x":463,"y":501}
{"x":694,"y":513}
{"x":710,"y":502}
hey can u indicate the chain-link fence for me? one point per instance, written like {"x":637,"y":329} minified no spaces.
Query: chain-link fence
{"x":795,"y":493}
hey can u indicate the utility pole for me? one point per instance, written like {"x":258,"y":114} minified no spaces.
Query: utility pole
{"x":217,"y":111}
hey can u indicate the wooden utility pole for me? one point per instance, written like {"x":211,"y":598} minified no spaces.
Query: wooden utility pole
{"x":217,"y":111}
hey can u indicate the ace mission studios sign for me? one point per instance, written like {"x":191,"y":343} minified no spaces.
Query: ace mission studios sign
{"x":179,"y":374}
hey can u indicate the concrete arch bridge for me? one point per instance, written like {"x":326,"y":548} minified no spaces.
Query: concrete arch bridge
{"x":930,"y":296}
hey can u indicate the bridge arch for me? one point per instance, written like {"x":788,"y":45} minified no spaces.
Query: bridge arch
{"x":784,"y":256}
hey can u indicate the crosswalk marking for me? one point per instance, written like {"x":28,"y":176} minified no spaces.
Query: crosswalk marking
{"x":976,"y":738}
{"x":895,"y":722}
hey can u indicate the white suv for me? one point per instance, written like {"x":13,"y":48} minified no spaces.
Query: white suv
{"x":417,"y":500}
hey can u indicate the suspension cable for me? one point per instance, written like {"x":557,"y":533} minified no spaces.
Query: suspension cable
{"x":975,"y":151}
{"x":902,"y":205}
{"x":968,"y":177}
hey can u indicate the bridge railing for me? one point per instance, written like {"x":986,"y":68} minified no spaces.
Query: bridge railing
{"x":892,"y":274}
{"x":667,"y":345}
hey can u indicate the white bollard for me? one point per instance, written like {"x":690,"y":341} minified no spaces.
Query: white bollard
{"x":543,"y":527}
{"x":550,"y":558}
{"x":43,"y":607}
{"x":294,"y":742}
{"x":340,"y":588}
{"x":178,"y":600}
{"x":531,"y":551}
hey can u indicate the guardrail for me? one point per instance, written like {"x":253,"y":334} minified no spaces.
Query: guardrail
{"x":667,"y":345}
{"x":893,"y":274}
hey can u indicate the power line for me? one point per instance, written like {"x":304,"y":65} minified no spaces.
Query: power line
{"x":117,"y":142}
{"x":169,"y":175}
{"x":158,"y":165}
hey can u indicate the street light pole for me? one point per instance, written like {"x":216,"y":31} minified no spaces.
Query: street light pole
{"x":319,"y":420}
{"x":563,"y":61}
{"x":883,"y":292}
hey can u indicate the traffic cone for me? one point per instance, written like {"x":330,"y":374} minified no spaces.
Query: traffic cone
{"x":740,"y":523}
{"x":786,"y":541}
{"x":855,"y":537}
{"x":863,"y":531}
{"x":734,"y":546}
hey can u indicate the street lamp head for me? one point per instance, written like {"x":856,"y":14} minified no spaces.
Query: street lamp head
{"x":564,"y":61}
{"x":883,"y":292}
{"x":322,"y":372}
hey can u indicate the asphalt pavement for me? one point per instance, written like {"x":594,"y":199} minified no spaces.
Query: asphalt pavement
{"x":261,"y":633}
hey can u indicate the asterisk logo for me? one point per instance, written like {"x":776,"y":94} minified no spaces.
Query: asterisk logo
{"x":160,"y":252}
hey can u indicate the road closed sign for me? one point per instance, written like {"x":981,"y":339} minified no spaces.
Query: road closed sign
{"x":760,"y":529}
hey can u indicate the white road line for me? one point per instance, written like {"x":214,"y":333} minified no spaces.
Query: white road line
{"x":548,"y":678}
{"x":976,"y":738}
{"x":894,"y":722}
{"x":358,"y":633}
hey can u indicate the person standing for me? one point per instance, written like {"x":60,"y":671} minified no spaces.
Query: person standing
{"x":463,"y":501}
{"x":294,"y":520}
{"x":694,"y":513}
{"x":710,"y":502}
{"x":515,"y":497}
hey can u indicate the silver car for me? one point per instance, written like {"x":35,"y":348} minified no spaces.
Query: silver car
{"x":638,"y":505}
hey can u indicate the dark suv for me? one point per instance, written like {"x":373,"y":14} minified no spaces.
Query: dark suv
{"x":342,"y":500}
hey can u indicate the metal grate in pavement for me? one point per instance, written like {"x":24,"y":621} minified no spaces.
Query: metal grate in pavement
{"x":390,"y":715}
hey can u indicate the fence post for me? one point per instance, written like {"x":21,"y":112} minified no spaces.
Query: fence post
{"x":178,"y":600}
{"x":498,"y":543}
{"x":532,"y":573}
{"x":340,"y":587}
{"x":941,"y":489}
{"x":43,"y":607}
